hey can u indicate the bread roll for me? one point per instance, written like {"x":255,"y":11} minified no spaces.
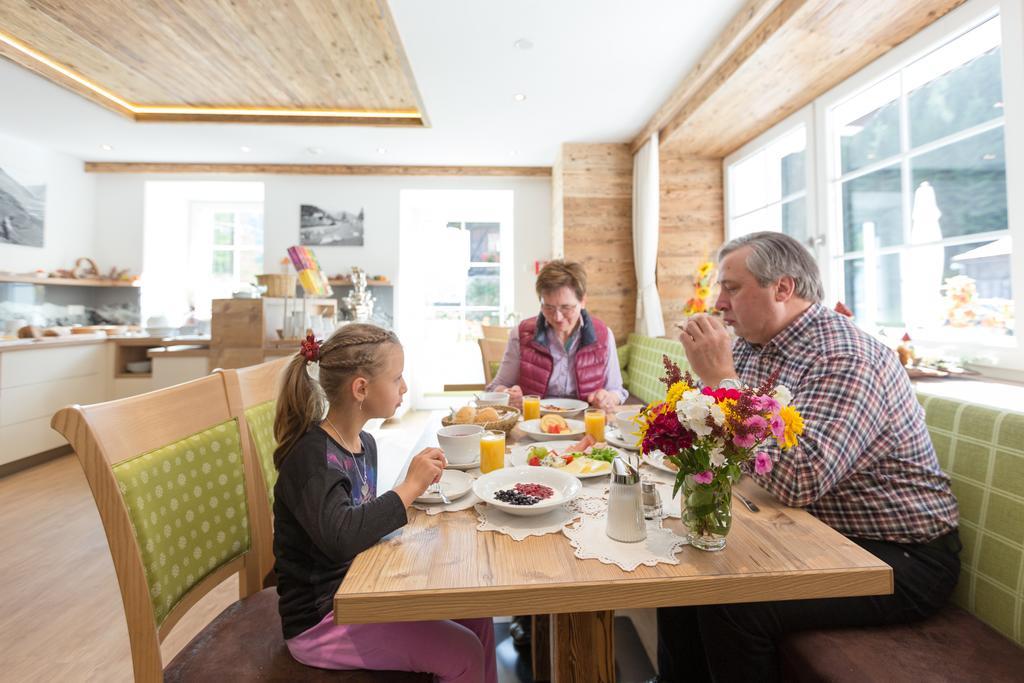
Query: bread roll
{"x":465,"y":415}
{"x":485,"y":415}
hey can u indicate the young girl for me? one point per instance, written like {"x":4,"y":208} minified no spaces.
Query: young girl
{"x":326,"y":511}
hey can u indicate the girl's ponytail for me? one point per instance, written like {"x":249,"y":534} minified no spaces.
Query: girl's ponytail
{"x":300,"y":404}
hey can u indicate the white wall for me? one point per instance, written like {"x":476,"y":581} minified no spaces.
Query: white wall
{"x":120,"y":215}
{"x":70,"y":213}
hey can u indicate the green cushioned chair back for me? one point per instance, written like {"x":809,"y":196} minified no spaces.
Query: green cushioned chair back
{"x":982,"y":450}
{"x":494,"y":365}
{"x":260,"y":419}
{"x":646,"y":368}
{"x":188,"y":510}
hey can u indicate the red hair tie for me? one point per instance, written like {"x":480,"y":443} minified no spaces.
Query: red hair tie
{"x":310,"y":349}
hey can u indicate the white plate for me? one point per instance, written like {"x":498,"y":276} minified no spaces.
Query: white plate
{"x":567,"y":407}
{"x":454,"y":483}
{"x":656,"y":459}
{"x":532,"y":430}
{"x":614,"y":437}
{"x":565,"y":486}
{"x":464,"y":466}
{"x":519,"y":457}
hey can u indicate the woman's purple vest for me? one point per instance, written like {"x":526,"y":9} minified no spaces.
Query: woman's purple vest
{"x":535,"y":362}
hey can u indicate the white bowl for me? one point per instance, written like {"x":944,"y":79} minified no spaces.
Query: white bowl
{"x":139,"y":366}
{"x":624,"y":422}
{"x":161,"y":331}
{"x":460,"y":443}
{"x":566,"y":407}
{"x":492,"y":398}
{"x":566,"y":488}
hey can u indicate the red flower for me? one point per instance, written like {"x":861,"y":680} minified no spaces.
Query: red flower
{"x":722,"y":394}
{"x":667,"y":435}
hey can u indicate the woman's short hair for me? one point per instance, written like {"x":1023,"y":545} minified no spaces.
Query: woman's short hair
{"x":774,"y":255}
{"x":557,"y":274}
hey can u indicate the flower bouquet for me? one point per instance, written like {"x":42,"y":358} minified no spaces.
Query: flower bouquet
{"x":707,"y":434}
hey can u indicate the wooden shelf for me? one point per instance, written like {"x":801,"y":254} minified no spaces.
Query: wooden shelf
{"x":68,"y":281}
{"x":347,"y":282}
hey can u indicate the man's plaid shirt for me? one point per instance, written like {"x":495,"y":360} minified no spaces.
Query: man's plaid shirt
{"x":865,"y":464}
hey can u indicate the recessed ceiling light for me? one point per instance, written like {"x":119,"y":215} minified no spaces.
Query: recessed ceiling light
{"x":988,"y":157}
{"x":519,"y":97}
{"x":523,"y":44}
{"x":106,"y":148}
{"x":245,"y":148}
{"x":315,"y":151}
{"x":382,"y":150}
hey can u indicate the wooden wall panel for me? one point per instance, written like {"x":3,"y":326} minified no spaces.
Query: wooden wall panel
{"x":595,"y":186}
{"x":692,"y":226}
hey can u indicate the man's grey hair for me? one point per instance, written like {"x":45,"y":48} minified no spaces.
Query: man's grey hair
{"x":774,"y":255}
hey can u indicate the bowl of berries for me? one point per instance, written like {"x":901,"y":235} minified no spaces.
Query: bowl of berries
{"x":526,"y":491}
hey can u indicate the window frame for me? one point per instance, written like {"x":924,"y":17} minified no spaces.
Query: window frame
{"x":824,"y":200}
{"x":197,"y":239}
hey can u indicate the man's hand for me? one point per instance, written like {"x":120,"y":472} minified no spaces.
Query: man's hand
{"x":515,"y":395}
{"x":603,"y":399}
{"x":708,"y":349}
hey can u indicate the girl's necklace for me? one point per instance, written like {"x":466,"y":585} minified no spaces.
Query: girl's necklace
{"x":364,"y":484}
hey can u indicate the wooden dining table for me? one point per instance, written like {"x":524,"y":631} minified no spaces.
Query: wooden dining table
{"x":441,"y":567}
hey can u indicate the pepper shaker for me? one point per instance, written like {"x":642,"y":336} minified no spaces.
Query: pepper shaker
{"x":651,"y":500}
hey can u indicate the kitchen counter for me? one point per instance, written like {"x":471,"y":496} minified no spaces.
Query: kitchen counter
{"x":99,"y":338}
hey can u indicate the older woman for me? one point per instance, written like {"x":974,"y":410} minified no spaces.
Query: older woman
{"x":564,"y":351}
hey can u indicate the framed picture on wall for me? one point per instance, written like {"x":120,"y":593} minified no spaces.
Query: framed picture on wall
{"x":22,"y":211}
{"x":327,"y":228}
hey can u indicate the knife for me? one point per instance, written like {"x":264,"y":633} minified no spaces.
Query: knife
{"x":750,"y":505}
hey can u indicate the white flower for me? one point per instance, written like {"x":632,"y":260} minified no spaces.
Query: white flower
{"x":718,"y":415}
{"x":783,"y":395}
{"x":693,"y":410}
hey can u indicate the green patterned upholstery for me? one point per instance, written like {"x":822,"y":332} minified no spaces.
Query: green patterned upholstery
{"x":494,"y":365}
{"x":645,"y":365}
{"x":982,"y":449}
{"x":188,"y":510}
{"x":260,"y":419}
{"x":623,"y":353}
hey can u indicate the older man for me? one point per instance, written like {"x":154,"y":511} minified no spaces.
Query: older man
{"x":865,"y":464}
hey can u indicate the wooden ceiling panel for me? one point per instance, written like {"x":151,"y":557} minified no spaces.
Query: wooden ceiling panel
{"x":799,"y":51}
{"x":329,"y":60}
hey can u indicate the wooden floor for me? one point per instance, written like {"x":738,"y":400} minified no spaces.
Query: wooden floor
{"x":61,"y":616}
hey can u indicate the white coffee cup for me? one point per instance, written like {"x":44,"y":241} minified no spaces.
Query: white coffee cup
{"x":492,"y":398}
{"x":624,"y":422}
{"x":460,"y":443}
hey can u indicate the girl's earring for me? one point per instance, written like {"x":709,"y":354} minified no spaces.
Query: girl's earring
{"x":360,"y":405}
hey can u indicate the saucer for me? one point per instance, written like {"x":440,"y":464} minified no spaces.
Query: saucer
{"x":465,"y":466}
{"x":614,"y":437}
{"x":454,"y":484}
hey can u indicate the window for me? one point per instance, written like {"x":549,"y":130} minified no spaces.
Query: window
{"x":469,"y":284}
{"x":226,"y":250}
{"x":920,"y":238}
{"x":767,"y":188}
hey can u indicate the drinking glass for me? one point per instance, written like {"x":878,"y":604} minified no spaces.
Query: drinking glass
{"x":531,"y":407}
{"x":593,"y":422}
{"x":492,"y":451}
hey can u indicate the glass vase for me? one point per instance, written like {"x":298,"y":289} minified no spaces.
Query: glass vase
{"x":707,"y":512}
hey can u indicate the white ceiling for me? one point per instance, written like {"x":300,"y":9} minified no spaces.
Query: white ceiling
{"x":597,"y":72}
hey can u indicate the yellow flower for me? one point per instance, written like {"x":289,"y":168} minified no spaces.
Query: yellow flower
{"x":675,"y":392}
{"x":705,"y":268}
{"x":703,"y":292}
{"x":794,"y":427}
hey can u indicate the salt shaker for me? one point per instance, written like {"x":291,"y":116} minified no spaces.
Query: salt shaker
{"x":651,"y":500}
{"x":625,"y":508}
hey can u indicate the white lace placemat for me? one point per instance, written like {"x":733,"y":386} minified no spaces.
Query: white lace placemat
{"x":519,"y":527}
{"x":590,"y":542}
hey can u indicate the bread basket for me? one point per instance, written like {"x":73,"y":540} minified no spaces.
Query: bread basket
{"x":507,"y":419}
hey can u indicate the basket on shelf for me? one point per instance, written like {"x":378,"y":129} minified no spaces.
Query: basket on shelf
{"x":508,"y":417}
{"x":278,"y":285}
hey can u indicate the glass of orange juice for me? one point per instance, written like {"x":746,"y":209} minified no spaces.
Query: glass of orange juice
{"x":531,"y":407}
{"x":492,"y":451}
{"x":593,"y":423}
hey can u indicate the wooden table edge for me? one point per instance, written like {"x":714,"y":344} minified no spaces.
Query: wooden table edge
{"x":596,"y":596}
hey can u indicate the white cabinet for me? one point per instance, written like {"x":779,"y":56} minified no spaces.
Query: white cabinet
{"x":36,"y":383}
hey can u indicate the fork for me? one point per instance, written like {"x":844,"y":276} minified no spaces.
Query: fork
{"x":436,"y":488}
{"x":750,"y":505}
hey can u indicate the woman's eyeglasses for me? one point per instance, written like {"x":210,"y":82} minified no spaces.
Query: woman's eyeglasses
{"x":566,"y":310}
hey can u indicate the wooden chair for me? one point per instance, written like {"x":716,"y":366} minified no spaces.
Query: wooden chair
{"x":172,"y":478}
{"x":496,"y":332}
{"x":491,"y":352}
{"x":252,"y":399}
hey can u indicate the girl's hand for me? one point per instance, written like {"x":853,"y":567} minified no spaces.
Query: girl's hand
{"x":425,"y":468}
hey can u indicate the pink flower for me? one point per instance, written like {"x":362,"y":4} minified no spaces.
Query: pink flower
{"x":756,"y":423}
{"x":765,"y":404}
{"x":762,"y":463}
{"x":744,"y":440}
{"x":705,"y":477}
{"x":778,"y":426}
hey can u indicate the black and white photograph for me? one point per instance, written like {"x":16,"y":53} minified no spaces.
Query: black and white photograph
{"x":320,"y":227}
{"x":22,"y":210}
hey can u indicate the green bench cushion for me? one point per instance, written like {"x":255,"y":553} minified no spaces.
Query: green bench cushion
{"x":188,"y":510}
{"x":645,"y":365}
{"x":982,"y":450}
{"x":260,"y":419}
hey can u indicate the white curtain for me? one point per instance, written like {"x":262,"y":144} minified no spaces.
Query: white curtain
{"x":649,"y":320}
